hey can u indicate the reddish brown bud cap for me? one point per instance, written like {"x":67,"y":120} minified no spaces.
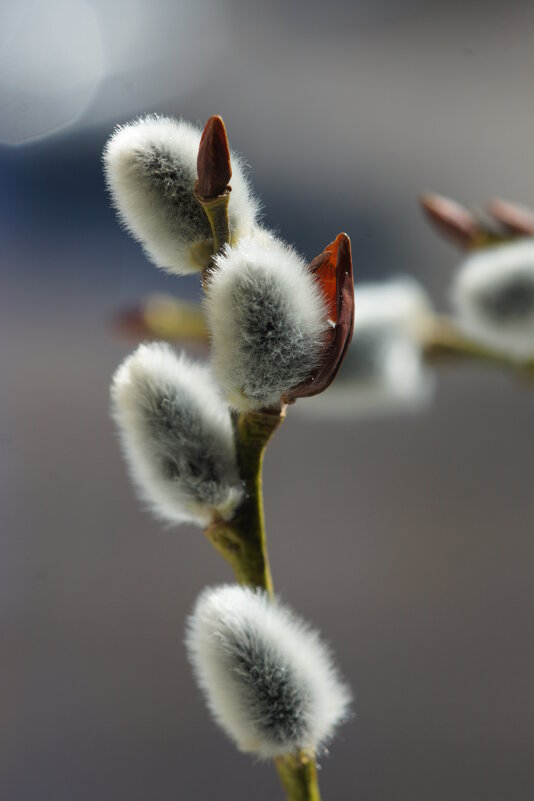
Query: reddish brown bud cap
{"x":333,"y":272}
{"x":451,"y":220}
{"x":517,"y":219}
{"x":213,"y":162}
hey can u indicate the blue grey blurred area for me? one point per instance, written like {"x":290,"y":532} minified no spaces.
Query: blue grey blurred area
{"x":408,"y":539}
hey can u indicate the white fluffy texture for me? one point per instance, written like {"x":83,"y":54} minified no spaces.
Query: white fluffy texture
{"x":383,"y":370}
{"x":268,"y":679}
{"x":176,"y":435}
{"x":267,"y":318}
{"x":151,"y":169}
{"x":493,"y":296}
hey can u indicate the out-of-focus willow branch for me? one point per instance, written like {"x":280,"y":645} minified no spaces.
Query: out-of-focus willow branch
{"x":444,"y":342}
{"x":175,"y":320}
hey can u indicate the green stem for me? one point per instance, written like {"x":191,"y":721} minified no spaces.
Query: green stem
{"x":242,"y":542}
{"x":298,"y":775}
{"x":216,"y":209}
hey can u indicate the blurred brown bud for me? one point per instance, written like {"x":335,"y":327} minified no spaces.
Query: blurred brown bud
{"x":333,"y":272}
{"x":452,"y":220}
{"x":213,"y":162}
{"x":516,"y":219}
{"x":130,"y":323}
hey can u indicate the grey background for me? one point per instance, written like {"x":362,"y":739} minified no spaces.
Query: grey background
{"x":406,"y":540}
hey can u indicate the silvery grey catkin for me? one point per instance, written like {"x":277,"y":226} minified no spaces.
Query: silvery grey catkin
{"x":268,"y":679}
{"x":267,"y":318}
{"x":493,"y":297}
{"x":177,"y":436}
{"x":151,"y":170}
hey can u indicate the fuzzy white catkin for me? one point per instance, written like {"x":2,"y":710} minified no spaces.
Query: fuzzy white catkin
{"x":493,"y":297}
{"x":151,"y":169}
{"x":177,"y":436}
{"x":268,"y":679}
{"x":383,"y":370}
{"x":267,"y":319}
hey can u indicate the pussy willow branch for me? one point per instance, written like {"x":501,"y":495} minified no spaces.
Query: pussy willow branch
{"x":242,"y":541}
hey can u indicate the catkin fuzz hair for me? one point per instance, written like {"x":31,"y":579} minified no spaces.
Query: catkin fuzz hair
{"x":268,"y":679}
{"x":176,"y":435}
{"x":267,"y":319}
{"x":151,"y":169}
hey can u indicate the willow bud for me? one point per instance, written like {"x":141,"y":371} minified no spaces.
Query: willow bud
{"x":151,"y":172}
{"x":268,"y":679}
{"x":177,"y":436}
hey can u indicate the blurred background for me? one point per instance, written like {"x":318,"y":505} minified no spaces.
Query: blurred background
{"x":406,"y":539}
